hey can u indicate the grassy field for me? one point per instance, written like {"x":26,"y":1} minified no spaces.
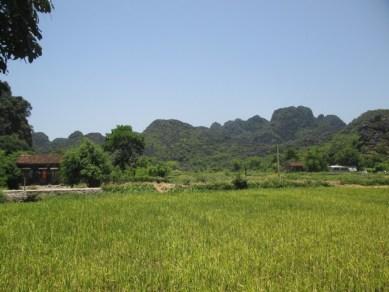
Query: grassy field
{"x":266,"y":239}
{"x":255,"y":177}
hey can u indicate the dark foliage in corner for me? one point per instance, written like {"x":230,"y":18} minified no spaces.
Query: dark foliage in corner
{"x":19,"y":30}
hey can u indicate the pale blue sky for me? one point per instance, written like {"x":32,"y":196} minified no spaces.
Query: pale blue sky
{"x":130,"y":62}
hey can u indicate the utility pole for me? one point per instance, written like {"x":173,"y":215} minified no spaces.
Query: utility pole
{"x":278,"y":162}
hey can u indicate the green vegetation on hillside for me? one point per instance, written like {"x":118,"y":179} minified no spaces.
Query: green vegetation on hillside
{"x":217,"y":146}
{"x":314,"y":141}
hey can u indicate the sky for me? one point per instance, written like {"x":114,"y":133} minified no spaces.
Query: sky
{"x":116,"y":62}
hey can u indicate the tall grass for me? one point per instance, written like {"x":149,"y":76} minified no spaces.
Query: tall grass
{"x":300,"y":239}
{"x":2,"y":197}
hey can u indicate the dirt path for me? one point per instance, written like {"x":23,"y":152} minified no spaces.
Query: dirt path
{"x":163,"y":187}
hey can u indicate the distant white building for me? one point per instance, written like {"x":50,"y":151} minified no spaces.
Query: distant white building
{"x":342,"y":168}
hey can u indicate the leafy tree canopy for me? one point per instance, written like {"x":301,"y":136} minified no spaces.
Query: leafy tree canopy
{"x":315,"y":160}
{"x":19,"y":30}
{"x":125,"y":146}
{"x":14,"y":111}
{"x":12,"y":143}
{"x":87,"y":163}
{"x":10,"y":174}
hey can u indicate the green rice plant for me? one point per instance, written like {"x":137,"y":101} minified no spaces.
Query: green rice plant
{"x":211,"y":187}
{"x":366,"y":181}
{"x":289,"y":239}
{"x":129,"y":188}
{"x":287,"y":183}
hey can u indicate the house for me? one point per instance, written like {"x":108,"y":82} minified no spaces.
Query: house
{"x":341,"y":168}
{"x":40,"y":169}
{"x":294,"y":166}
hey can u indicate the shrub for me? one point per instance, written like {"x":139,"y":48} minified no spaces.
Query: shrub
{"x":2,"y":198}
{"x":158,"y":170}
{"x":315,"y":161}
{"x":87,"y":163}
{"x":10,"y":174}
{"x":71,"y":167}
{"x":365,"y":181}
{"x":211,"y":187}
{"x":283,"y":183}
{"x":240,"y":183}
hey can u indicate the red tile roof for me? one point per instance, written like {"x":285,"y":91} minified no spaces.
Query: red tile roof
{"x":39,"y":159}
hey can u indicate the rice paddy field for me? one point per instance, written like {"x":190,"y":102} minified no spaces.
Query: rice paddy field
{"x":297,"y":239}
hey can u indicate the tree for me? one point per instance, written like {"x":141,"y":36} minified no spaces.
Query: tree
{"x":12,"y":143}
{"x":315,"y":161}
{"x":253,"y":163}
{"x":14,"y":111}
{"x":237,"y":165}
{"x":290,"y":154}
{"x":347,"y":156}
{"x":10,"y":174}
{"x":71,"y":167}
{"x":87,"y":163}
{"x":19,"y":31}
{"x":125,"y":146}
{"x":158,"y":170}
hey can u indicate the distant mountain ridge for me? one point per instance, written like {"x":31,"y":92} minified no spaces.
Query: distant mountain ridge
{"x":42,"y":144}
{"x":176,"y":140}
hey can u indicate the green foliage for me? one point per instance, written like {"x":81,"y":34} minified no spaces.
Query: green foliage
{"x":382,"y":166}
{"x":12,"y":143}
{"x":219,"y":186}
{"x":150,"y":167}
{"x":253,"y":163}
{"x":71,"y":167}
{"x":14,"y":126}
{"x":87,"y":163}
{"x":19,"y":31}
{"x":240,"y":183}
{"x":237,"y":165}
{"x":10,"y":174}
{"x":158,"y":170}
{"x":200,"y":148}
{"x":2,"y":198}
{"x":347,"y":156}
{"x":271,"y":183}
{"x":125,"y":146}
{"x":365,"y":181}
{"x":290,"y":155}
{"x":315,"y":160}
